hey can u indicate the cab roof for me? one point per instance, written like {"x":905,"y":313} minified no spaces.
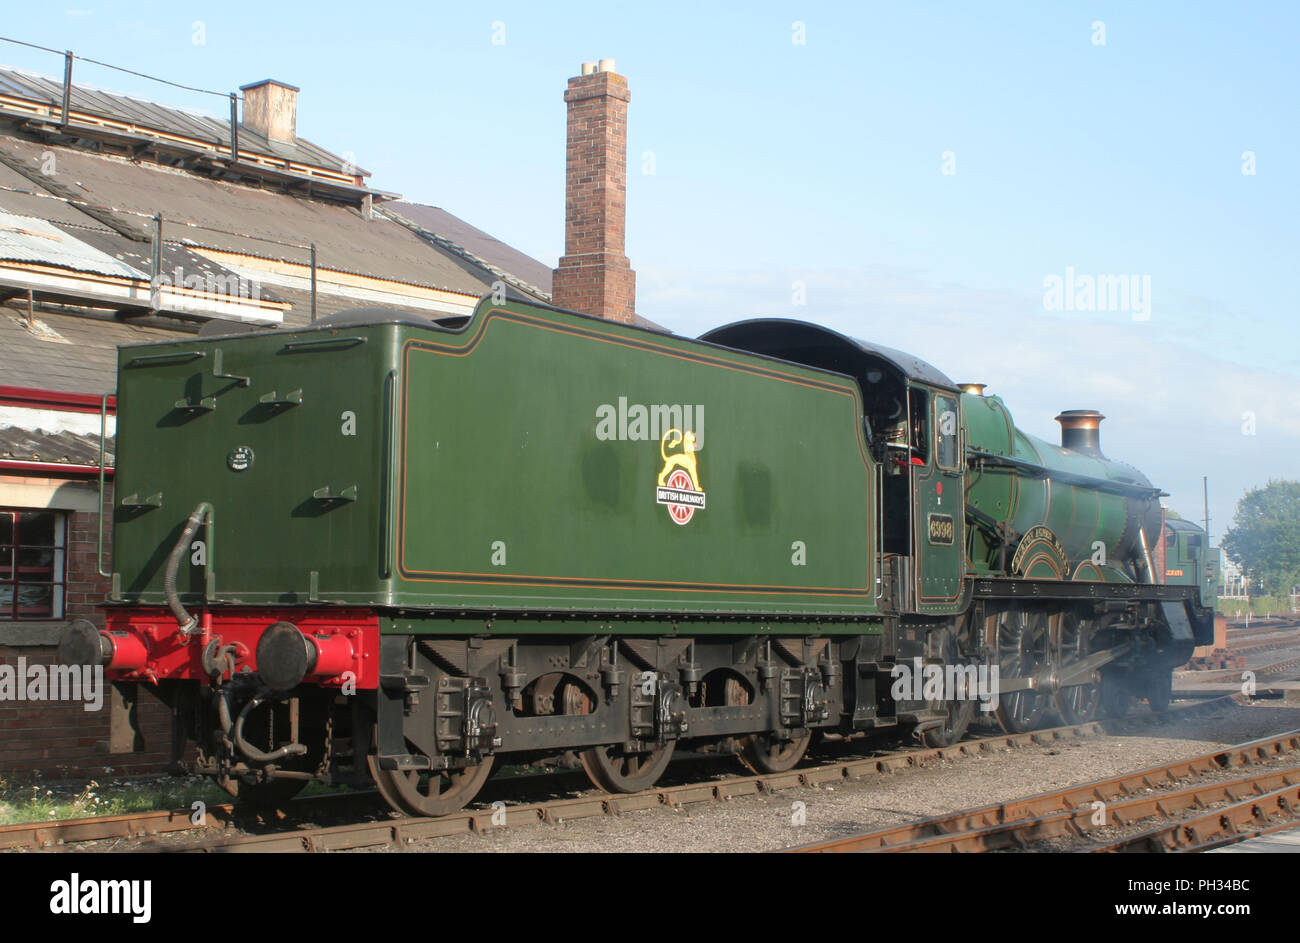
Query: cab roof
{"x":814,"y":345}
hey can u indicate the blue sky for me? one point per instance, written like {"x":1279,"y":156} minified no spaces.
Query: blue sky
{"x":777,"y":162}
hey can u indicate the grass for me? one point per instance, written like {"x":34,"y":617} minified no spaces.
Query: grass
{"x":50,"y":802}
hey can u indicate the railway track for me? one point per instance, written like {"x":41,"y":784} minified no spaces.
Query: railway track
{"x":1288,"y":630}
{"x":1258,"y":800}
{"x":1247,"y":808}
{"x":1219,"y":675}
{"x":299,"y":835}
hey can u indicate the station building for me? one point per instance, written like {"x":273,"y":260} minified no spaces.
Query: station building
{"x":124,"y":221}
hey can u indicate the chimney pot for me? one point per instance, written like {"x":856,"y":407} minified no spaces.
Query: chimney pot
{"x":588,"y":68}
{"x":1080,"y":431}
{"x":606,"y":65}
{"x":271,"y":109}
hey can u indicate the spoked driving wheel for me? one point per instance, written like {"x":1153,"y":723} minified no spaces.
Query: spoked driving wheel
{"x":1023,"y":650}
{"x":761,"y":752}
{"x":1077,"y":703}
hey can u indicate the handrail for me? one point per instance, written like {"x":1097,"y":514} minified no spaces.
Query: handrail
{"x":329,"y":343}
{"x":386,"y":504}
{"x":1033,"y":469}
{"x":103,"y":434}
{"x":880,"y":533}
{"x":172,"y":356}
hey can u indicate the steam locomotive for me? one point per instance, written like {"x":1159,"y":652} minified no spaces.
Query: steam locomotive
{"x":399,"y":549}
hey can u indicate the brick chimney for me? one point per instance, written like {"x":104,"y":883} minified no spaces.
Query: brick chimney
{"x":595,"y":276}
{"x":271,"y":109}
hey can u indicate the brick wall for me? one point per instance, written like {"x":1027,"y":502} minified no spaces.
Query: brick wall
{"x":595,"y":276}
{"x":61,"y":739}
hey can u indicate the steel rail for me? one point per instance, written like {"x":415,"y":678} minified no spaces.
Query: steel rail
{"x":1058,"y":812}
{"x":1243,"y":836}
{"x":1275,"y":810}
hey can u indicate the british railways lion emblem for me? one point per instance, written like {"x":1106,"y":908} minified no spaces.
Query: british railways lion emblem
{"x":679,"y":481}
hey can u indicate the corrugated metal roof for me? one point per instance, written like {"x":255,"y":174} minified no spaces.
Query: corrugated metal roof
{"x":87,"y":362}
{"x":144,"y":114}
{"x":378,"y":248}
{"x":27,"y":239}
{"x":60,"y":448}
{"x":180,"y":266}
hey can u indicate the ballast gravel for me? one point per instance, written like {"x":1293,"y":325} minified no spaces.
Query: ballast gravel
{"x":801,"y":815}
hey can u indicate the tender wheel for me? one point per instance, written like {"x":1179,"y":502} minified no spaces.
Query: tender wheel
{"x":763,"y":754}
{"x":426,"y":792}
{"x":760,"y":752}
{"x":1023,"y":649}
{"x":614,"y":770}
{"x":609,"y":767}
{"x":1077,"y":703}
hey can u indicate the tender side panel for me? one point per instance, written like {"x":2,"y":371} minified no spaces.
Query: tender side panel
{"x":530,"y":479}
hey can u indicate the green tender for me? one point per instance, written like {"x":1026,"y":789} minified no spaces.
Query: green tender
{"x":479,"y":470}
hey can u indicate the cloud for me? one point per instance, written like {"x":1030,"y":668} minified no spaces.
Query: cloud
{"x":1174,"y":409}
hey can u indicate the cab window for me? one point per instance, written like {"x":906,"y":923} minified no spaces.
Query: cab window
{"x":919,"y":428}
{"x":945,"y":432}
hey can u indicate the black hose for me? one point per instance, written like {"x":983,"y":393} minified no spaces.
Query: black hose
{"x":236,"y":731}
{"x":186,"y":622}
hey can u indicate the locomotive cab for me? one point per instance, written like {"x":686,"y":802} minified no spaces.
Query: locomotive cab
{"x":911,"y":416}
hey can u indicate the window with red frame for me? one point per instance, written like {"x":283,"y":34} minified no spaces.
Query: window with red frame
{"x":33,"y":564}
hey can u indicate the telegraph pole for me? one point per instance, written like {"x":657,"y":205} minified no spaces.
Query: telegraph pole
{"x":1205,"y":485}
